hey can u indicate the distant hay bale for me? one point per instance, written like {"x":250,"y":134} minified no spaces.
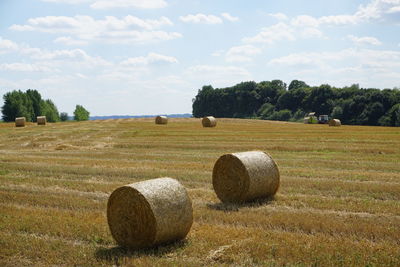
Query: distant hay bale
{"x":245,"y":176}
{"x":41,"y":120}
{"x":334,"y":122}
{"x":161,"y":120}
{"x":20,"y":122}
{"x":209,"y":121}
{"x":148,"y":213}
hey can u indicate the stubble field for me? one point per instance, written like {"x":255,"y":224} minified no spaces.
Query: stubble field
{"x":338,"y":204}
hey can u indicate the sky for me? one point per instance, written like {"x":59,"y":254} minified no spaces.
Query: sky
{"x":148,"y":57}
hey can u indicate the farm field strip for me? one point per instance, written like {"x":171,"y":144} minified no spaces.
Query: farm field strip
{"x":338,"y":205}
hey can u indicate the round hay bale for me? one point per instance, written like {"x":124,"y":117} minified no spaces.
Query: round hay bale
{"x":245,"y":176}
{"x":20,"y":122}
{"x":149,"y":213}
{"x":334,"y":122}
{"x":161,"y":120}
{"x":209,"y":121}
{"x":41,"y":120}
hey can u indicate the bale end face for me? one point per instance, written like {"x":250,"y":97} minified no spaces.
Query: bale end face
{"x":131,"y":221}
{"x":161,"y":120}
{"x":245,"y":176}
{"x":209,"y":121}
{"x":334,"y":122}
{"x":20,"y":122}
{"x":149,"y":213}
{"x":41,"y":120}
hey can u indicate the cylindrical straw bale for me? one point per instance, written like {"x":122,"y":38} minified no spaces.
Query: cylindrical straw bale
{"x":20,"y":122}
{"x":41,"y":120}
{"x":334,"y":122}
{"x":245,"y":176}
{"x":161,"y":120}
{"x":149,"y":213}
{"x":209,"y":121}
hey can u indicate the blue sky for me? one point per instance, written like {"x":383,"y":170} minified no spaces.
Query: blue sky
{"x":151,"y":56}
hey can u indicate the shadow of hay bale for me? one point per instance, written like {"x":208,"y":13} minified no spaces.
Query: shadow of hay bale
{"x":117,"y":254}
{"x":237,"y":206}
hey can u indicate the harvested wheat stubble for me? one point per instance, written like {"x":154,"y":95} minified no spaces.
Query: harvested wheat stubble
{"x":209,"y":121}
{"x":161,"y":120}
{"x":149,"y":213}
{"x":20,"y":122}
{"x":334,"y":122}
{"x":245,"y":176}
{"x":41,"y":120}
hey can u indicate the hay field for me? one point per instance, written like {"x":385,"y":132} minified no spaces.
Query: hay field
{"x":338,"y":204}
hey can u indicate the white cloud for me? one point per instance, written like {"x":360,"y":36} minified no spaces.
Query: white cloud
{"x":364,"y":40}
{"x":68,"y":1}
{"x":127,"y":30}
{"x":7,"y":46}
{"x":311,"y":33}
{"x":25,"y":67}
{"x":229,"y":17}
{"x":218,"y":76}
{"x":269,"y":35}
{"x":50,"y":60}
{"x":103,"y":4}
{"x":374,"y":68}
{"x":219,"y":53}
{"x":67,"y":40}
{"x":395,"y":9}
{"x":305,"y":21}
{"x":339,"y":20}
{"x":278,"y":16}
{"x":375,"y":10}
{"x":201,"y":18}
{"x":149,"y":59}
{"x":145,"y":4}
{"x":365,"y":57}
{"x":242,"y":53}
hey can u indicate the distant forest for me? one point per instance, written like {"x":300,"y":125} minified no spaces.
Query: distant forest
{"x":30,"y":105}
{"x":274,"y":100}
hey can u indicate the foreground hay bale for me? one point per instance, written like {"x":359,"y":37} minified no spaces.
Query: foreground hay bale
{"x":20,"y":122}
{"x":209,"y":121}
{"x":245,"y":176}
{"x":161,"y":120}
{"x":334,"y":122}
{"x":41,"y":120}
{"x":149,"y":213}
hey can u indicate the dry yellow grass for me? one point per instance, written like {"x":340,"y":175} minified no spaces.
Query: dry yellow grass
{"x":338,"y":203}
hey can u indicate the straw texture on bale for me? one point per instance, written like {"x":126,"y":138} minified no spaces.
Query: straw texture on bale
{"x":161,"y":120}
{"x":334,"y":122}
{"x":20,"y":122}
{"x":245,"y":176}
{"x":41,"y":120}
{"x":209,"y":121}
{"x":149,"y":213}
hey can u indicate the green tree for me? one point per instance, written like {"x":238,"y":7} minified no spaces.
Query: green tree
{"x":17,"y":104}
{"x":37,"y":103}
{"x":81,"y":114}
{"x":64,"y":116}
{"x":295,"y":84}
{"x":266,"y":110}
{"x":49,"y":110}
{"x":282,"y":115}
{"x":337,"y":113}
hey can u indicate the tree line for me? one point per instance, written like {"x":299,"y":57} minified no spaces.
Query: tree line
{"x":274,"y":100}
{"x":30,"y":105}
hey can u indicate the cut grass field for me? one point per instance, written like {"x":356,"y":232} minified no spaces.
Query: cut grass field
{"x":338,"y":204}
